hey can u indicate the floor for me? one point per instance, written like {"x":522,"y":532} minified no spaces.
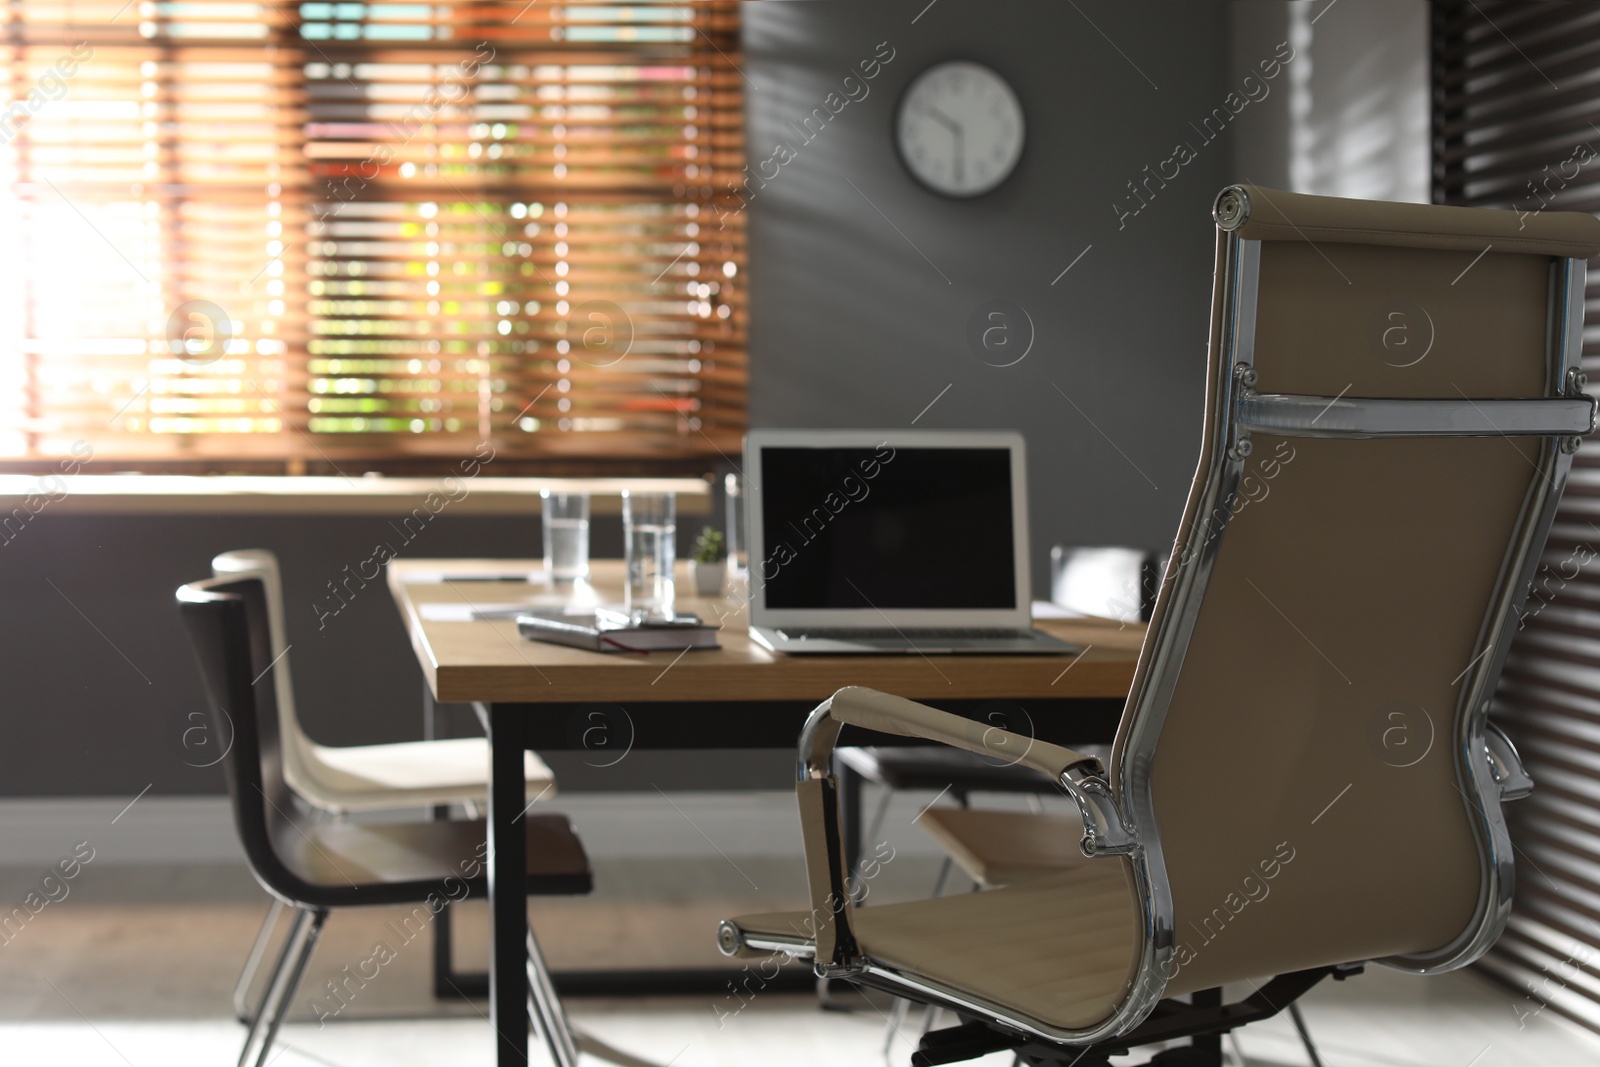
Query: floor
{"x":134,"y":969}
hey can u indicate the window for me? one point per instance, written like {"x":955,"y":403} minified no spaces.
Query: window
{"x":1516,"y":90}
{"x":253,"y":235}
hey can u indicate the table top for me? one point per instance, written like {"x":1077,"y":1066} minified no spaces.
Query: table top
{"x":487,"y":660}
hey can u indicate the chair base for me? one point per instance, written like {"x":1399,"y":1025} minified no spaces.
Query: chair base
{"x":1205,"y":1022}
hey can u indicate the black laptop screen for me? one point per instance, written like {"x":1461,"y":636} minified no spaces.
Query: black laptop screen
{"x":886,"y":528}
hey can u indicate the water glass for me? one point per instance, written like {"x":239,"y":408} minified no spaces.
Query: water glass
{"x":566,"y":535}
{"x":650,"y":528}
{"x":733,"y":494}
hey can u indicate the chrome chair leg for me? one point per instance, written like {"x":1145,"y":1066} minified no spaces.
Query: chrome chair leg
{"x":291,"y":970}
{"x":252,"y":1016}
{"x":544,"y":1009}
{"x":1305,"y":1035}
{"x":897,"y":1017}
{"x":252,"y":963}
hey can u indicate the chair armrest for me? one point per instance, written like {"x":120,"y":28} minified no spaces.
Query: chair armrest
{"x":1080,"y":776}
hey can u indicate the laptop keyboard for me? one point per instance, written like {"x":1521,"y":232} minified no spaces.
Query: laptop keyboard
{"x":913,"y":635}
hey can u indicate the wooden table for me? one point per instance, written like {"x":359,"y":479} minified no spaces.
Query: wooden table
{"x":550,"y":697}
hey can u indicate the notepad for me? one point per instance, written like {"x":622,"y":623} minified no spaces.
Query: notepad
{"x":597,"y":634}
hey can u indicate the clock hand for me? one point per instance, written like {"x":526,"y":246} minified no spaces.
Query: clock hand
{"x":944,"y":120}
{"x":956,"y":131}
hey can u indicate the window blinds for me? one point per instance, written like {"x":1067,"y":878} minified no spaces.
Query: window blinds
{"x":299,"y":234}
{"x":1516,"y":103}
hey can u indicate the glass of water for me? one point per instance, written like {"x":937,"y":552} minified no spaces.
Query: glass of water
{"x":650,"y":528}
{"x":566,"y":535}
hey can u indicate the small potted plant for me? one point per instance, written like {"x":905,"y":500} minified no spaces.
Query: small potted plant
{"x":708,"y":563}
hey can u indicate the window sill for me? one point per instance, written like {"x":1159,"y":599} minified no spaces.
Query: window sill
{"x":183,"y":494}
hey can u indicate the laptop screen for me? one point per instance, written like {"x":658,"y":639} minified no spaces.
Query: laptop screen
{"x":886,"y":527}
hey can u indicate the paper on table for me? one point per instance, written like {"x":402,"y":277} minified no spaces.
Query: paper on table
{"x":461,"y":611}
{"x":533,"y":577}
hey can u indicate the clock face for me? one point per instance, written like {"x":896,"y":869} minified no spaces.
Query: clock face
{"x":960,"y":128}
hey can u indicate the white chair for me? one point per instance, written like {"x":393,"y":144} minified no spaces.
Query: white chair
{"x":362,"y":778}
{"x":368,"y":777}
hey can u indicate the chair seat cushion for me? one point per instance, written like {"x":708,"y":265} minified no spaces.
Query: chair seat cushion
{"x":1004,"y":847}
{"x":410,"y":772}
{"x":1060,"y":949}
{"x":394,"y":862}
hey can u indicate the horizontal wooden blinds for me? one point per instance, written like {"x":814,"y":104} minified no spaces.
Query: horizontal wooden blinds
{"x":1516,"y":90}
{"x":318,"y":231}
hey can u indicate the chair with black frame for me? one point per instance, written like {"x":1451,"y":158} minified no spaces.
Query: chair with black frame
{"x":316,"y":866}
{"x":1305,"y":780}
{"x":340,"y":781}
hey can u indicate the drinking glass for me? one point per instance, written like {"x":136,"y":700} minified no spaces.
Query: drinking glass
{"x":566,"y":535}
{"x":650,"y":528}
{"x":733,"y":493}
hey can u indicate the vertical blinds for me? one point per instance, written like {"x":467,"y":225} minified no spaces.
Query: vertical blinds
{"x":1516,"y":103}
{"x":306,"y":232}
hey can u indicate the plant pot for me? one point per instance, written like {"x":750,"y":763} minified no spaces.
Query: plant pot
{"x":708,"y":577}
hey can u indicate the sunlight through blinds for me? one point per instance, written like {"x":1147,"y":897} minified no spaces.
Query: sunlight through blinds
{"x":291,"y":235}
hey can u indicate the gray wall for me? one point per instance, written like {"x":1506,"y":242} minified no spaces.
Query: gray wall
{"x":100,"y":685}
{"x":1352,"y":118}
{"x":853,"y":326}
{"x":99,"y":680}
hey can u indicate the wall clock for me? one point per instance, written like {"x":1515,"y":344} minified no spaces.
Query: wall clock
{"x":959,"y":128}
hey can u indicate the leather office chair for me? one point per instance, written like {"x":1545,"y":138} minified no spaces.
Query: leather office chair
{"x":313,"y":867}
{"x":1305,"y":779}
{"x":354,"y":778}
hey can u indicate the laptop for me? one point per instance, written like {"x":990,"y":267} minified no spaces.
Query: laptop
{"x":890,"y":541}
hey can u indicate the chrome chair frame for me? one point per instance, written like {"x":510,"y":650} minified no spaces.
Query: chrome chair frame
{"x":1488,"y":771}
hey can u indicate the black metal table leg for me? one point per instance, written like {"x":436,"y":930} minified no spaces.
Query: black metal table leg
{"x":443,"y":985}
{"x":849,"y":814}
{"x":508,"y":864}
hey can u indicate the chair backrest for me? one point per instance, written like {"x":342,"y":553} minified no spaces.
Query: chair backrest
{"x":262,"y":563}
{"x":1393,"y":398}
{"x":228,"y":627}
